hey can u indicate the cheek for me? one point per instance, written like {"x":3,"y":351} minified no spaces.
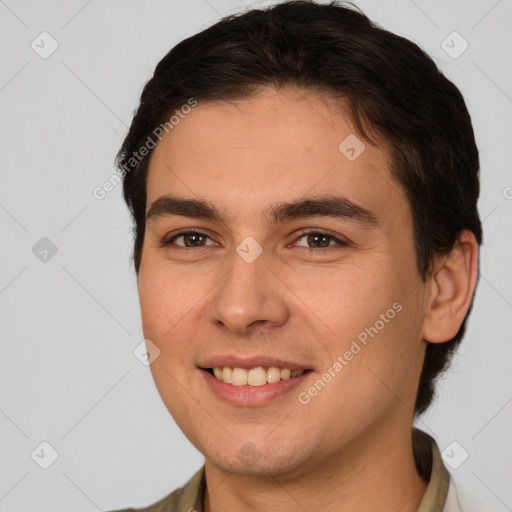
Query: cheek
{"x":373,"y":318}
{"x":351,"y":297}
{"x":166,"y":297}
{"x":390,"y":360}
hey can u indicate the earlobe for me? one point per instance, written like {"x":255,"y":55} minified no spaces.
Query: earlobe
{"x":452,"y":288}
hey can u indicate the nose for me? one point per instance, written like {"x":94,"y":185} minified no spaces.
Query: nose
{"x":250,"y":296}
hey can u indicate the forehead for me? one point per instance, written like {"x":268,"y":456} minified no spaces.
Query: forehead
{"x":269,"y":149}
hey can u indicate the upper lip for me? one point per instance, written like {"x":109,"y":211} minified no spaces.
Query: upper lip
{"x":250,"y":362}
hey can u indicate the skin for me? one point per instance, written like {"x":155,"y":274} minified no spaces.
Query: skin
{"x":296,"y":301}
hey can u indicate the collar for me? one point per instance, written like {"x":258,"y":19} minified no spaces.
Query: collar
{"x":430,"y":466}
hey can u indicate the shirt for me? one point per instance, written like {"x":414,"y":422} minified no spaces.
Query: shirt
{"x":440,"y":495}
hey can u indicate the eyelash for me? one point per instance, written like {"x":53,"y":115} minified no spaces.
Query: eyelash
{"x":340,"y":243}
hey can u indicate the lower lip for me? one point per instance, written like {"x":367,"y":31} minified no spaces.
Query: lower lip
{"x":251,"y":396}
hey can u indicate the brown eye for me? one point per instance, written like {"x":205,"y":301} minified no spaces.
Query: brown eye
{"x":320,"y":240}
{"x":194,"y":239}
{"x":190,"y":239}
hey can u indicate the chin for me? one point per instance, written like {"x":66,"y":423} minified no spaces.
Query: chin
{"x":261,"y":459}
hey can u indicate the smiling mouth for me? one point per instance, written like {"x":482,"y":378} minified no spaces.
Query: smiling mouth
{"x":257,"y":376}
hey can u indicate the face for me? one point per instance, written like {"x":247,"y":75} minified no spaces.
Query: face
{"x":297,"y":263}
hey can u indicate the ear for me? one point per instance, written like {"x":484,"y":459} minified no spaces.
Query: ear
{"x":453,"y":283}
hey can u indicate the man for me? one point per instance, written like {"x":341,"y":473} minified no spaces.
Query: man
{"x":304,"y":188}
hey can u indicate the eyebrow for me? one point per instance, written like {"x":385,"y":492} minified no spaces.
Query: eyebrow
{"x":319,"y":206}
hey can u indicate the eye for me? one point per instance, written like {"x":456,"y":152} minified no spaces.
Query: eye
{"x":190,"y":239}
{"x":320,"y":240}
{"x":197,"y":239}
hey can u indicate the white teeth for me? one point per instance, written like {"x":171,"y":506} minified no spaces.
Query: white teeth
{"x":285,"y":373}
{"x":255,"y":376}
{"x":273,"y":374}
{"x":239,"y":377}
{"x":227,"y":374}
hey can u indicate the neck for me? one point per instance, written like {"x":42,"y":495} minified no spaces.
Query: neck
{"x":377,"y":472}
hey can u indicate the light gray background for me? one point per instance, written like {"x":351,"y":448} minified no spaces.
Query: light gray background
{"x":68,"y":328}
